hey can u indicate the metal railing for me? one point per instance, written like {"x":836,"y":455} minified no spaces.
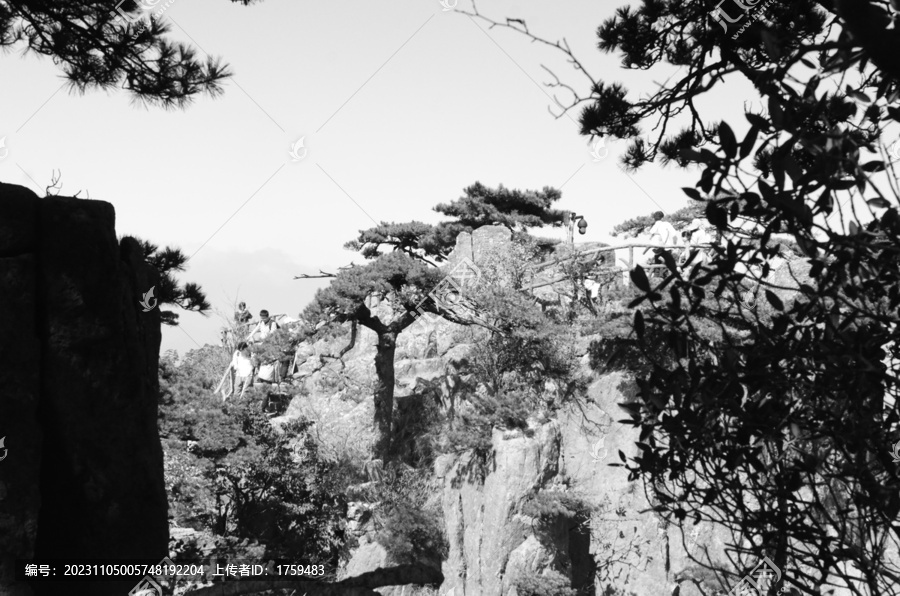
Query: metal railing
{"x":597,"y":252}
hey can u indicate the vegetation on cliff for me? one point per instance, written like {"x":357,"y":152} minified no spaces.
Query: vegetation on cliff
{"x":249,"y":490}
{"x":776,"y":420}
{"x":391,"y":292}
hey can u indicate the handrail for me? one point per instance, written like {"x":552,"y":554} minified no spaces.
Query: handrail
{"x":629,"y":267}
{"x":618,"y":247}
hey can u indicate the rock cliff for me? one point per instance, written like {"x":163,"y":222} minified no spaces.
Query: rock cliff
{"x":622,"y":548}
{"x":83,"y":477}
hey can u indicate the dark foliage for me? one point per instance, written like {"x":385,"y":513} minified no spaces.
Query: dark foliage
{"x":97,"y":47}
{"x":230,"y":474}
{"x":778,"y":425}
{"x":167,"y":262}
{"x":479,"y":206}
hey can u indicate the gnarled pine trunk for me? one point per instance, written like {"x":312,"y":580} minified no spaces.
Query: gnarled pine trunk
{"x":384,"y":392}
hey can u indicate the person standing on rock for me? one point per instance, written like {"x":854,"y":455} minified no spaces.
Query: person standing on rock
{"x":238,"y":330}
{"x":242,"y":316}
{"x":264,"y":328}
{"x":241,"y":368}
{"x":664,"y":233}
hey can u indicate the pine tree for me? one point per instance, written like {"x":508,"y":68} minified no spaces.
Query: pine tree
{"x":99,"y":44}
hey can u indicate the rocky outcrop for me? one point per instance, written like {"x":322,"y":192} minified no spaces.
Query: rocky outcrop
{"x":78,"y":369}
{"x":623,"y":549}
{"x":485,"y":530}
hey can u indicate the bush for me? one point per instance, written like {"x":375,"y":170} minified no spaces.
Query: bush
{"x":551,"y":504}
{"x":550,"y":584}
{"x":411,"y":525}
{"x":472,"y":430}
{"x":232,"y":476}
{"x":507,"y":379}
{"x":279,"y":345}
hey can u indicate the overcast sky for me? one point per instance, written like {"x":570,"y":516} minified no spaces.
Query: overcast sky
{"x":400,"y":105}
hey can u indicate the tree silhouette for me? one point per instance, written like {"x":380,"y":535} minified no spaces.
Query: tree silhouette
{"x":188,"y":296}
{"x":781,"y":428}
{"x":479,"y":206}
{"x":97,"y":48}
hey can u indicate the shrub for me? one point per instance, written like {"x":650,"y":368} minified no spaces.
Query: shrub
{"x":507,"y":379}
{"x":550,"y":504}
{"x":231,"y":475}
{"x":472,"y":430}
{"x":411,"y":525}
{"x":551,"y":583}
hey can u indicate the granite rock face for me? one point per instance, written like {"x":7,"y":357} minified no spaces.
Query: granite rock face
{"x":624,"y":549}
{"x":78,"y":406}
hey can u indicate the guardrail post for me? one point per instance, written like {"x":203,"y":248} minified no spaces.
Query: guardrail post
{"x":630,"y":266}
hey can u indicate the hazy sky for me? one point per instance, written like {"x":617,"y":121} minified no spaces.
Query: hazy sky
{"x":401,"y":105}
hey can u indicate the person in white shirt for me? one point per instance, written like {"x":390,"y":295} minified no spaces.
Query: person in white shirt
{"x":242,"y":370}
{"x":698,"y":239}
{"x":664,"y":233}
{"x":264,"y":328}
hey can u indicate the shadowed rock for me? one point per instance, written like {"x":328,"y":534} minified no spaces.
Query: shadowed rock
{"x":84,"y":475}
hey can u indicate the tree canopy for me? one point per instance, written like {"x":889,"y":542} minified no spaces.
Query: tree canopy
{"x":97,"y":48}
{"x":390,"y":293}
{"x":479,"y":206}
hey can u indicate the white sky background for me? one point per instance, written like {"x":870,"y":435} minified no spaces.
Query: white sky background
{"x":390,"y":131}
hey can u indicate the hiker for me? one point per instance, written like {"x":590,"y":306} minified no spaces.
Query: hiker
{"x":242,"y":316}
{"x":241,"y":368}
{"x":264,"y":328}
{"x":698,"y":240}
{"x":663,"y":230}
{"x":665,"y":233}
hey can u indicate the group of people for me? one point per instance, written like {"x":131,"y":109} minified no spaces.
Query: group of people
{"x":693,"y":241}
{"x":263,"y":328}
{"x":243,"y":366}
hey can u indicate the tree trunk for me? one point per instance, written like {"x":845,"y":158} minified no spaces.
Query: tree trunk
{"x":384,"y":393}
